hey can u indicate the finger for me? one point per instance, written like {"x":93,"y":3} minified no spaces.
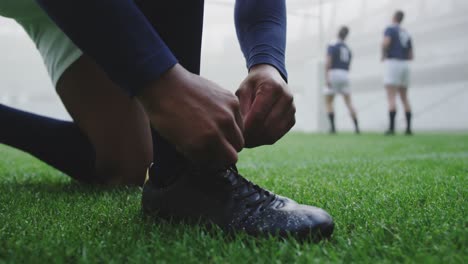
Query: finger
{"x":279,"y":112}
{"x":235,"y":136}
{"x":239,"y":119}
{"x":224,"y":154}
{"x":245,"y":96}
{"x":261,"y":107}
{"x":283,"y":127}
{"x":231,"y":127}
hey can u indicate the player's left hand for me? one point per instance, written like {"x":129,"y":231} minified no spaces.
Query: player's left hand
{"x":267,"y":106}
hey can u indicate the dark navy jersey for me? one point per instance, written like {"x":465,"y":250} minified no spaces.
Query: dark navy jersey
{"x":120,"y":38}
{"x":400,"y":44}
{"x":340,"y":55}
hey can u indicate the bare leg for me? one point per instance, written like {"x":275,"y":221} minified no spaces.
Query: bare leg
{"x":403,"y":91}
{"x":329,"y":103}
{"x":114,"y":123}
{"x":330,"y":112}
{"x":352,"y":111}
{"x":391,"y":97}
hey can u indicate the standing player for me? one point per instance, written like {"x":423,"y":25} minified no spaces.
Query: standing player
{"x":336,"y":76}
{"x":397,"y":50}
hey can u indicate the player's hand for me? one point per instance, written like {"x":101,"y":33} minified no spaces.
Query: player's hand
{"x":267,"y":106}
{"x":200,"y":118}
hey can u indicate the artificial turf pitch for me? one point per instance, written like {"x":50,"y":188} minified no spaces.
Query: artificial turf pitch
{"x":394,"y":199}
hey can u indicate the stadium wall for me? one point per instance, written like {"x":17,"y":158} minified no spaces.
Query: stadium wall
{"x":439,"y":91}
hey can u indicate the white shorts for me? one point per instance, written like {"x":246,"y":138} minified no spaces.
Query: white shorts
{"x":397,"y":73}
{"x":57,"y":50}
{"x":339,"y":82}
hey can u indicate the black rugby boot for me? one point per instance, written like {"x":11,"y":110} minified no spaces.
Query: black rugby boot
{"x":235,"y":204}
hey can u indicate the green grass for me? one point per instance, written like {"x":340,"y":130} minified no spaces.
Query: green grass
{"x":394,"y":199}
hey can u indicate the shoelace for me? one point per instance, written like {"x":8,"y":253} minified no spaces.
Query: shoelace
{"x":254,"y":195}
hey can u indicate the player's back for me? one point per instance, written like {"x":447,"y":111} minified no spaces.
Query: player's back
{"x":401,"y":43}
{"x":340,"y":55}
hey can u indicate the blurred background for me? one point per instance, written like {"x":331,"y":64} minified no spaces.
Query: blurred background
{"x":439,"y":87}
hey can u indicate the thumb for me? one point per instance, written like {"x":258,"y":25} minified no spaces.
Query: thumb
{"x":245,"y":96}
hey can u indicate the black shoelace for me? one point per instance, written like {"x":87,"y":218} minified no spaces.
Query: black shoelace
{"x":255,"y":196}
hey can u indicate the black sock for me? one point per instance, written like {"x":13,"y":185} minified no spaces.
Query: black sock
{"x":356,"y":125}
{"x":392,"y":115}
{"x":167,"y":161}
{"x":408,"y":121}
{"x":331,"y":117}
{"x":60,"y":144}
{"x":186,"y":46}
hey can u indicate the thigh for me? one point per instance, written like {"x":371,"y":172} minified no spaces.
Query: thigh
{"x":180,"y":25}
{"x":391,"y":91}
{"x":347,"y":99}
{"x":115,"y":123}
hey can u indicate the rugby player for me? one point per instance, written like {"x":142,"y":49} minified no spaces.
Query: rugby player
{"x":397,"y":51}
{"x":128,"y":73}
{"x":337,"y":78}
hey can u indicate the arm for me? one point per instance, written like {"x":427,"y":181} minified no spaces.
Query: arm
{"x":265,"y":100}
{"x":410,"y":55}
{"x":261,"y":31}
{"x":117,"y":36}
{"x":200,"y":118}
{"x":387,"y":41}
{"x":328,"y":65}
{"x":411,"y":50}
{"x":385,"y":46}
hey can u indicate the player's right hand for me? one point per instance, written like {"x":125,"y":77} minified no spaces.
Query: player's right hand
{"x":199,"y":117}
